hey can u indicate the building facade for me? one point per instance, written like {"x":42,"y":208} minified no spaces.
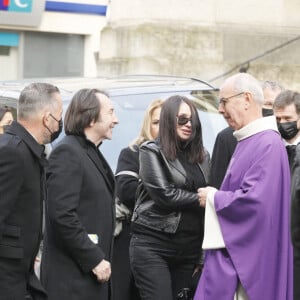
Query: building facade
{"x":204,"y":38}
{"x":40,"y":38}
{"x":199,"y":38}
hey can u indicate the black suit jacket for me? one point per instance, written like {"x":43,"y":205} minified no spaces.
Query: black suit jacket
{"x":79,"y":220}
{"x":21,"y":195}
{"x":295,"y":220}
{"x":223,"y":149}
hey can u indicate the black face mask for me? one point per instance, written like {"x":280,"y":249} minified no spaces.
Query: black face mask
{"x":266,"y":112}
{"x":288,"y":130}
{"x":54,"y":135}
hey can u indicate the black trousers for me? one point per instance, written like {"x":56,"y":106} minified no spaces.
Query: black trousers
{"x":296,"y":274}
{"x":160,"y":271}
{"x":123,"y":283}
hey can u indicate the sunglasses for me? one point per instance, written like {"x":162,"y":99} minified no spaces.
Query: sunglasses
{"x":182,"y":120}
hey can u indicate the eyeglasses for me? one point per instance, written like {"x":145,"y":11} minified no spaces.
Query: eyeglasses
{"x":224,"y":100}
{"x":182,"y":120}
{"x":54,"y":118}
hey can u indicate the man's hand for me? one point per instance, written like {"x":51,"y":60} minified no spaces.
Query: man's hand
{"x":202,"y":194}
{"x":102,"y":271}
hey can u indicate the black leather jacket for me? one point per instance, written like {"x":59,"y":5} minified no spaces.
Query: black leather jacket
{"x":163,"y":191}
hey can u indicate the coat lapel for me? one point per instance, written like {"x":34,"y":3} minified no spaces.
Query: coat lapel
{"x":102,"y":166}
{"x":178,"y":166}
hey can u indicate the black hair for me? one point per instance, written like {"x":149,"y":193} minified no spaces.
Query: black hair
{"x":83,"y":109}
{"x":169,"y":141}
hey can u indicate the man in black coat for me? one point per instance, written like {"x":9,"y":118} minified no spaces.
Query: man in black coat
{"x":295,"y":220}
{"x":80,"y":211}
{"x":22,"y":163}
{"x":287,"y":112}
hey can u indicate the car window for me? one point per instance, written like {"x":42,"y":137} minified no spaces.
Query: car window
{"x":11,"y":103}
{"x":130,"y":111}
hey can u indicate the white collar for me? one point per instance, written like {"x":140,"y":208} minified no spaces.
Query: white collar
{"x":256,"y":126}
{"x":296,"y":142}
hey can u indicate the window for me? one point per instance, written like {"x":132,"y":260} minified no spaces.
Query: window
{"x":53,"y":55}
{"x":4,"y":50}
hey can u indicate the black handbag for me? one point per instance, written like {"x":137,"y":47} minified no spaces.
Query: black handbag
{"x":187,"y":293}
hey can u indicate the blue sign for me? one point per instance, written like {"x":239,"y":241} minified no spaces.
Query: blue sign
{"x":21,"y":12}
{"x":74,"y":7}
{"x":16,"y":5}
{"x":9,"y":39}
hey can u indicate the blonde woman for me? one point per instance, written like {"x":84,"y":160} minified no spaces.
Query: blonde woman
{"x":6,"y":117}
{"x":126,"y":185}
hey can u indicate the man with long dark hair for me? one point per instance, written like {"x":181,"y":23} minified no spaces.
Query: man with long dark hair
{"x":80,"y":211}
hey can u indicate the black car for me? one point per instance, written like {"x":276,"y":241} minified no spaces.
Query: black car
{"x":131,"y":95}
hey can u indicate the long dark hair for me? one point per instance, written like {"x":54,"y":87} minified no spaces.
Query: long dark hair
{"x":169,"y":141}
{"x":83,"y":109}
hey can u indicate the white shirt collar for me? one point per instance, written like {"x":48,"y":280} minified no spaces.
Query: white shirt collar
{"x":259,"y":125}
{"x":296,"y":141}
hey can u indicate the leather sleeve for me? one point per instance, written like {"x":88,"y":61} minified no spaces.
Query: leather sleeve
{"x":157,"y":180}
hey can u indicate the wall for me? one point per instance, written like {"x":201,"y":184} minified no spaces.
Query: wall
{"x":202,"y":38}
{"x":9,"y":65}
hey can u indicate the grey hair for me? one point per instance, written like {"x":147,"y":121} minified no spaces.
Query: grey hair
{"x":286,"y":98}
{"x":244,"y":82}
{"x":34,"y":98}
{"x":273,"y":85}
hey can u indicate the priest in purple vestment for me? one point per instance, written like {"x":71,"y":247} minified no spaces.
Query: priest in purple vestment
{"x":248,"y":252}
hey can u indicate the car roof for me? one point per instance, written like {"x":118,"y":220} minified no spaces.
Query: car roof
{"x":120,"y":85}
{"x":126,"y":91}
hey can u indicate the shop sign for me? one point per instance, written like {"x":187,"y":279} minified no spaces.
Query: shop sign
{"x":16,"y":5}
{"x":21,"y":12}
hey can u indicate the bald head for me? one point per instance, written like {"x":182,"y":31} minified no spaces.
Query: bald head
{"x":241,"y":99}
{"x":244,"y":82}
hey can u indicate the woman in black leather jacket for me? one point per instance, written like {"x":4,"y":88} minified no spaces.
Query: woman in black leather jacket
{"x":168,"y":222}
